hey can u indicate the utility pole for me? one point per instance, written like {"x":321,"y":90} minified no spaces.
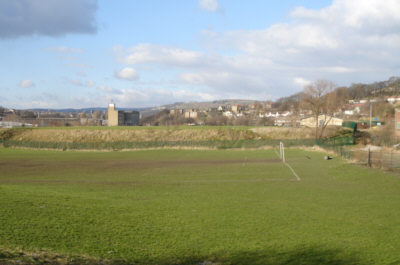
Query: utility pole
{"x":370,"y":114}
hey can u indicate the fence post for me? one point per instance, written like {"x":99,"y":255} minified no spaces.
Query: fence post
{"x":391,"y":159}
{"x":369,"y":157}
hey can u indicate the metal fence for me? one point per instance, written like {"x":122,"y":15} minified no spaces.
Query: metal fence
{"x":385,"y":141}
{"x":372,"y":157}
{"x":376,"y":158}
{"x":218,"y":144}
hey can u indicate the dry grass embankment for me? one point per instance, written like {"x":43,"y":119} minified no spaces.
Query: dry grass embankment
{"x":81,"y":135}
{"x":22,"y":257}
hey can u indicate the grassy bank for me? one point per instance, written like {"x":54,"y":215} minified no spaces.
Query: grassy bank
{"x":156,"y":134}
{"x":191,"y":207}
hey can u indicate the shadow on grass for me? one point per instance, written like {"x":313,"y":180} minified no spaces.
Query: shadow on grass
{"x":309,"y":256}
{"x":306,"y":256}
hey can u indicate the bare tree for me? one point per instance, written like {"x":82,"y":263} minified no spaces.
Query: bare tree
{"x":96,"y":115}
{"x":318,"y":98}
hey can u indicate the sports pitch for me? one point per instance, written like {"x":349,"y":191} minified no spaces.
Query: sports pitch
{"x":198,"y":207}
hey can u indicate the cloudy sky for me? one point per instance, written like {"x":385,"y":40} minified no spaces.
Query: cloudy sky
{"x":83,"y":53}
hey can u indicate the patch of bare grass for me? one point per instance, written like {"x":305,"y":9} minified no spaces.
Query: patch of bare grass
{"x":23,"y":257}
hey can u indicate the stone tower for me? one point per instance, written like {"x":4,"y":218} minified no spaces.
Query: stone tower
{"x":112,"y":115}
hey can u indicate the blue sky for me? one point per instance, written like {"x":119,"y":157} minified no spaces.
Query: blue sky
{"x":83,"y":53}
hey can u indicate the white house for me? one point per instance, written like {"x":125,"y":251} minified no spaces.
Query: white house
{"x":227,"y":114}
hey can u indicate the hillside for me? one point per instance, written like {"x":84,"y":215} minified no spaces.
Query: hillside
{"x":356,"y":91}
{"x":210,"y":104}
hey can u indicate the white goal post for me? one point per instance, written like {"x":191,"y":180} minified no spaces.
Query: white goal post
{"x":282,"y":156}
{"x":282,"y":151}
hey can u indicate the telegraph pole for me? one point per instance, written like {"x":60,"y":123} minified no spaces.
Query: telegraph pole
{"x":370,"y":114}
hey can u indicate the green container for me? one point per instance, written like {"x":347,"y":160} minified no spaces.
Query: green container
{"x":350,"y":124}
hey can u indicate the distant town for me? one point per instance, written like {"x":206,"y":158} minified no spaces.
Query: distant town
{"x":369,"y":105}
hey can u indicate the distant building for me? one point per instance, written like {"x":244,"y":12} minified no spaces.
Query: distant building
{"x":322,"y":119}
{"x":267,"y":105}
{"x":227,"y":114}
{"x":122,"y":118}
{"x":287,"y":122}
{"x":12,"y":124}
{"x":397,"y":121}
{"x":191,"y":114}
{"x":351,"y":112}
{"x":176,"y":111}
{"x":237,"y":108}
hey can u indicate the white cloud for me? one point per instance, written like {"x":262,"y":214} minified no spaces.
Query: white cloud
{"x":90,"y":83}
{"x":108,"y":89}
{"x":301,"y":82}
{"x":171,"y":56}
{"x":64,"y":49}
{"x":370,"y":15}
{"x":34,"y":104}
{"x":79,"y":65}
{"x":150,"y":96}
{"x":348,"y":41}
{"x":81,"y":74}
{"x":80,"y":83}
{"x":228,"y":82}
{"x":209,"y":5}
{"x":127,"y":73}
{"x":76,"y":82}
{"x":26,"y":83}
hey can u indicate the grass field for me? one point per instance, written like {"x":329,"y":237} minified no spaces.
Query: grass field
{"x":196,"y":207}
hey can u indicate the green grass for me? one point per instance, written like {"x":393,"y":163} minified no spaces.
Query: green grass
{"x":188,"y":207}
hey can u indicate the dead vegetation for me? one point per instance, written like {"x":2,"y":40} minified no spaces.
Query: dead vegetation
{"x":291,"y":133}
{"x":22,"y":257}
{"x":150,"y":134}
